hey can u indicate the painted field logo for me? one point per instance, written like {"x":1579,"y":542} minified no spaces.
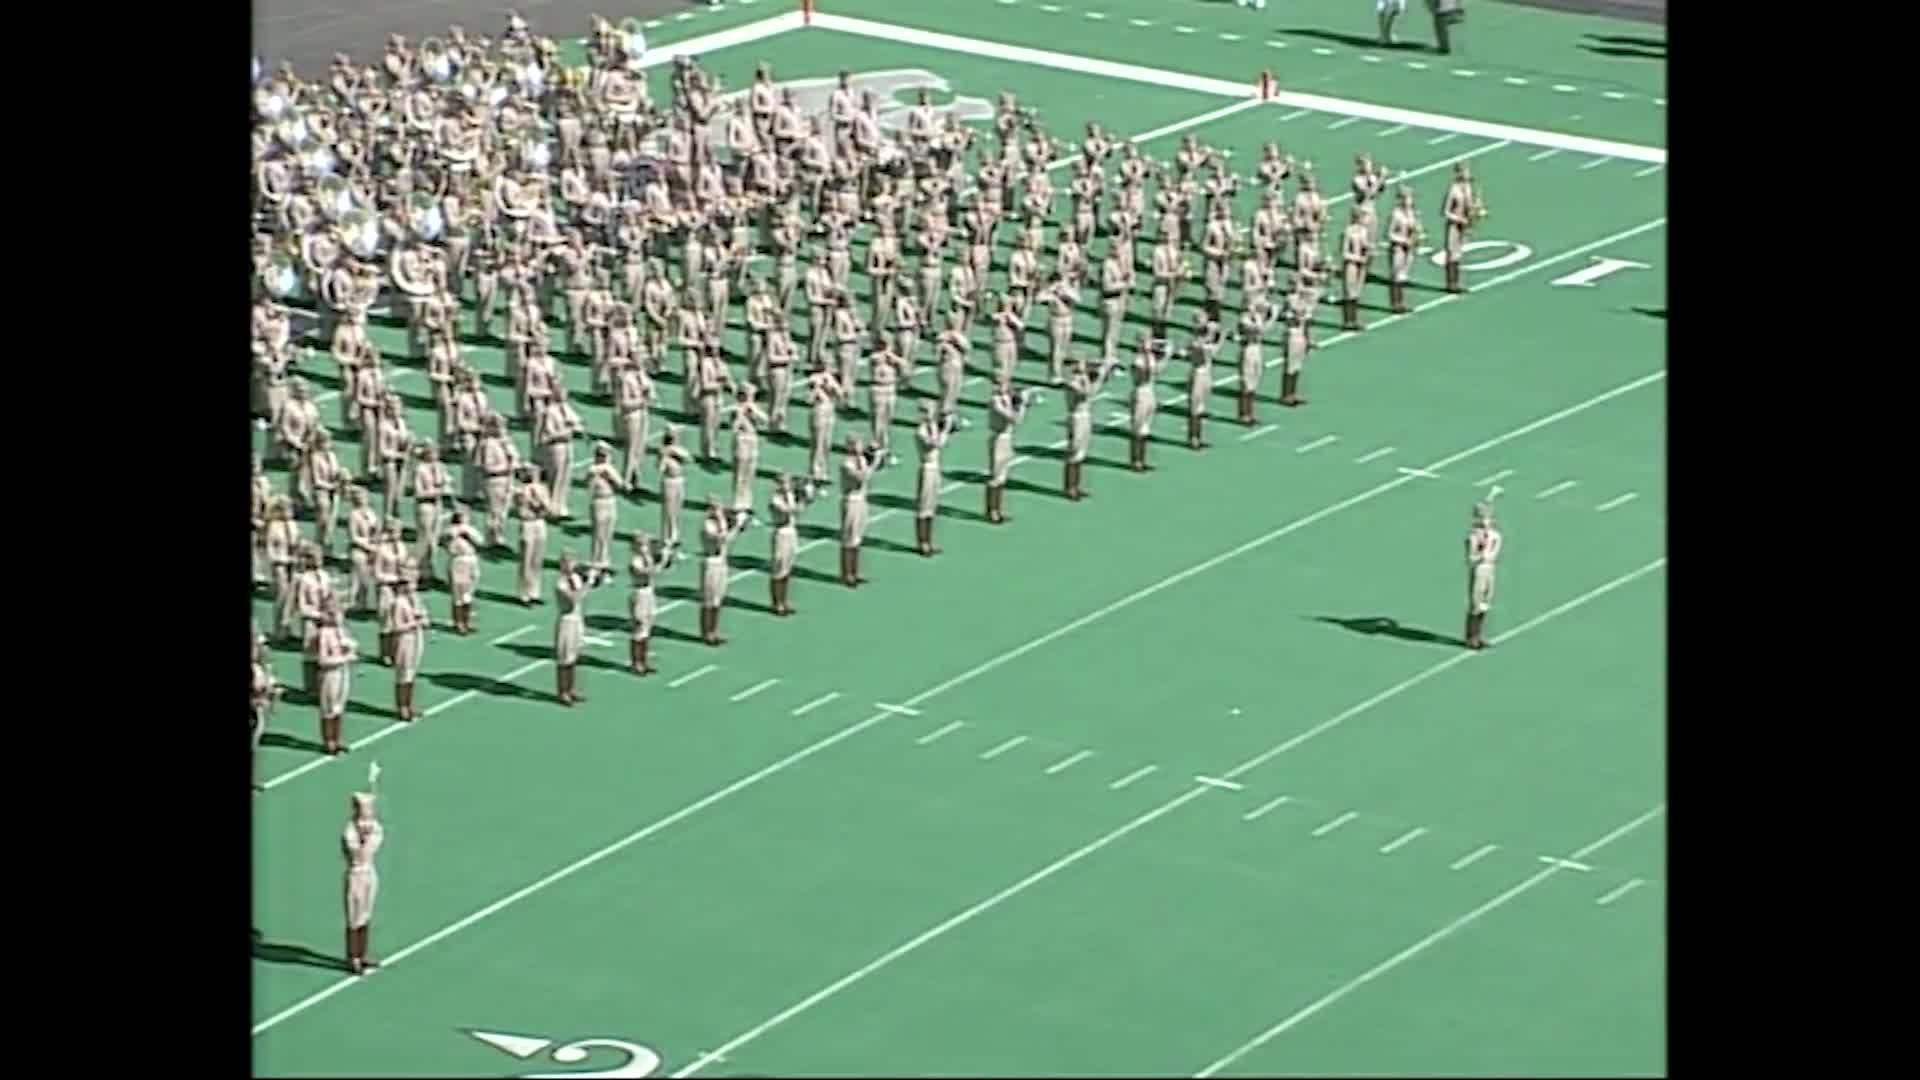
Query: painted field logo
{"x":894,"y":94}
{"x":617,"y":1059}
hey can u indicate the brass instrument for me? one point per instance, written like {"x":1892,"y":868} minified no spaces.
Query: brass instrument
{"x":1479,"y":210}
{"x":633,"y":41}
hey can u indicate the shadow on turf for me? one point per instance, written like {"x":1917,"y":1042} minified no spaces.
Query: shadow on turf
{"x":290,"y":742}
{"x":1652,"y":313}
{"x":1631,"y":48}
{"x":278,"y":953}
{"x":1380,"y":626}
{"x":1357,"y":41}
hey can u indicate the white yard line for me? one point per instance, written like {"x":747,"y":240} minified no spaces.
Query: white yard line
{"x":814,"y":704}
{"x":1127,"y":780}
{"x":1004,"y":658}
{"x":1617,"y":501}
{"x":1544,"y":154}
{"x":1405,"y":838}
{"x":1373,"y":455}
{"x":1316,"y":444}
{"x":1003,"y":748}
{"x":936,"y":736}
{"x":1462,"y":864}
{"x":1415,"y":949}
{"x":1623,"y":890}
{"x":1335,"y":823}
{"x":1067,"y":763}
{"x":1261,"y":811}
{"x":1139,"y":822}
{"x":1084,"y":65}
{"x":1494,"y":479}
{"x":1264,"y":429}
{"x":757,"y":688}
{"x":1394,"y":130}
{"x":1556,"y":489}
{"x":692,"y":675}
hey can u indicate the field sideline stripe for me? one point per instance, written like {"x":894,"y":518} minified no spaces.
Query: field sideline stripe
{"x":928,"y":39}
{"x":964,"y":677}
{"x":1162,"y":810}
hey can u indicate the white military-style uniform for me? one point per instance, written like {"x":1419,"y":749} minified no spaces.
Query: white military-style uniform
{"x":1483,"y":550}
{"x":360,"y":842}
{"x":570,"y":627}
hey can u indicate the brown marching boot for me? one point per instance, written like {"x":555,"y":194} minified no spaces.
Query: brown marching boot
{"x":400,"y":701}
{"x":637,"y":657}
{"x":563,"y":685}
{"x":353,"y":952}
{"x":1352,"y":314}
{"x":1472,"y":631}
{"x":1066,"y":480}
{"x":310,"y":674}
{"x":932,"y":548}
{"x":714,"y":622}
{"x":386,"y":649}
{"x":326,"y":736}
{"x":993,"y":516}
{"x":846,"y":566}
{"x":853,"y":566}
{"x":366,"y":961}
{"x":646,"y":668}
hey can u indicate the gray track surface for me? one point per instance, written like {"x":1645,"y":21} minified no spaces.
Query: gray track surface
{"x":309,"y":32}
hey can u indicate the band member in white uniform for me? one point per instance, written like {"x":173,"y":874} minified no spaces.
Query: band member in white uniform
{"x":1004,"y":413}
{"x":856,"y":472}
{"x":790,"y":500}
{"x":389,"y":566}
{"x":532,"y":505}
{"x":279,"y":541}
{"x":673,"y":484}
{"x":649,"y":562}
{"x":1201,"y":351}
{"x":335,"y":652}
{"x":1483,"y":550}
{"x":462,"y":542}
{"x":603,"y":481}
{"x":360,"y":842}
{"x":406,"y":624}
{"x":717,"y":534}
{"x":746,"y":422}
{"x":1083,"y":386}
{"x":824,"y":395}
{"x":363,"y":535}
{"x":1150,"y":355}
{"x":432,"y":487}
{"x":1253,"y":326}
{"x":932,"y":436}
{"x":570,"y":627}
{"x":555,"y":428}
{"x":265,"y":693}
{"x":633,"y":396}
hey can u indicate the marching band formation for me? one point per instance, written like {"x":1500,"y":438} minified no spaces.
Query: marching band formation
{"x":474,"y":185}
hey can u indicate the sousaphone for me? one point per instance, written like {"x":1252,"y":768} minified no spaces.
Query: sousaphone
{"x":403,"y":265}
{"x":437,"y":62}
{"x":360,"y":231}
